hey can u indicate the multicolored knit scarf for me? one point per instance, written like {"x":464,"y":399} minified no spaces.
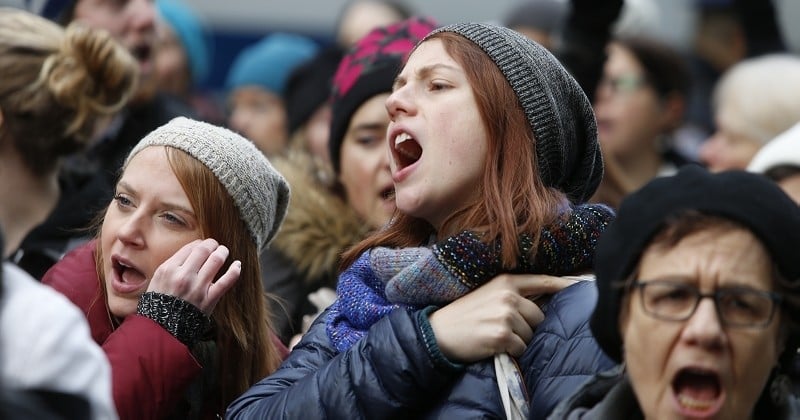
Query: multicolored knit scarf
{"x":383,"y":279}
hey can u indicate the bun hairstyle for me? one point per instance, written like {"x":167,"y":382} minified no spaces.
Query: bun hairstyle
{"x":56,"y":84}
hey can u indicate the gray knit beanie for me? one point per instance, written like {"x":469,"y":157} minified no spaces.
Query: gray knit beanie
{"x":259,"y":192}
{"x":558,"y":111}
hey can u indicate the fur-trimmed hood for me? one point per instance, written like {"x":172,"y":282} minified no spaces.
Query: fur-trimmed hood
{"x":319,"y":226}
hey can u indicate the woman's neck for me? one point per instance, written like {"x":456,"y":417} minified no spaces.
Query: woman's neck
{"x":26,"y":200}
{"x":639,"y":168}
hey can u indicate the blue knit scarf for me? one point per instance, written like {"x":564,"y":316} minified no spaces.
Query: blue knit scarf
{"x":383,"y":279}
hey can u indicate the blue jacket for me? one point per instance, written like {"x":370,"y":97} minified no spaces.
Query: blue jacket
{"x":389,"y":373}
{"x":563,"y":353}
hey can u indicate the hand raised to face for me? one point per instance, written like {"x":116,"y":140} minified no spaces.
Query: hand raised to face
{"x":189,"y":274}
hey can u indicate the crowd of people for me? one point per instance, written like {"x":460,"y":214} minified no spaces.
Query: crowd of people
{"x":515,"y":219}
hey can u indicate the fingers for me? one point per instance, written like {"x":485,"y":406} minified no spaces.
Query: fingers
{"x":180,"y":257}
{"x":538,"y":284}
{"x":217,"y":289}
{"x":213,"y":262}
{"x":531,"y":314}
{"x":199,"y":254}
{"x":189,"y":274}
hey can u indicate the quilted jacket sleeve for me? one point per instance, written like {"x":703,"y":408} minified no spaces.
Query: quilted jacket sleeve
{"x":563,"y":353}
{"x":386,"y":374}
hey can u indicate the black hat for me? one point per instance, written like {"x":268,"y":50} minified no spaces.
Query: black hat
{"x":309,"y":86}
{"x":746,"y":198}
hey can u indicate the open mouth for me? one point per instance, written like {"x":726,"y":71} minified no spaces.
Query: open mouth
{"x":406,"y":150}
{"x":142,"y":53}
{"x":698,"y":391}
{"x":127,"y":278}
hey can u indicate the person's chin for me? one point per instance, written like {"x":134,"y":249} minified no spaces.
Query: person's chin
{"x":121,"y":307}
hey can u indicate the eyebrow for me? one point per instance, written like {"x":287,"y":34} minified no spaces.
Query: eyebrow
{"x":170,"y":206}
{"x":423,"y":72}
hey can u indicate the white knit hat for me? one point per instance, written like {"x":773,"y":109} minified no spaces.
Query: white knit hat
{"x":260,"y":193}
{"x":782,"y":150}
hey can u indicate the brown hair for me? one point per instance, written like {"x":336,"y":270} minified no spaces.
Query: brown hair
{"x":245,"y":351}
{"x":56,"y":84}
{"x":513,"y":198}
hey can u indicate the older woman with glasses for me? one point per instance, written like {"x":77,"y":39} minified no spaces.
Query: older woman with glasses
{"x":698,"y":281}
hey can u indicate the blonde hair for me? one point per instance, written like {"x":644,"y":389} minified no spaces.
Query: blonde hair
{"x":56,"y":84}
{"x":758,"y":97}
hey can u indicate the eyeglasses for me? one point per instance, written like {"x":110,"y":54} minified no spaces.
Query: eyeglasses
{"x":622,"y":84}
{"x":736,"y":306}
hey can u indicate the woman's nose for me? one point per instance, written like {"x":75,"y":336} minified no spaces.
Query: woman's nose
{"x":704,"y":327}
{"x":398,"y":102}
{"x":130,"y":231}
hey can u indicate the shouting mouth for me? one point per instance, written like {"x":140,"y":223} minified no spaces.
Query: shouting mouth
{"x":406,"y":150}
{"x":698,"y":392}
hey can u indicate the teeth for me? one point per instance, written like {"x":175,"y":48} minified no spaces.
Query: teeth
{"x":694,"y":404}
{"x":401,"y":138}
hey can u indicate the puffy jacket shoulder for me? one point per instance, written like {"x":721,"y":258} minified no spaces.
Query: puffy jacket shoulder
{"x":563,"y":353}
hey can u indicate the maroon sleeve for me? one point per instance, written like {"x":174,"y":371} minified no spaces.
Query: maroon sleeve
{"x":150,"y":369}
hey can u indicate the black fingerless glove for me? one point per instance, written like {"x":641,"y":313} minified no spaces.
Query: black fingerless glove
{"x":182,"y":319}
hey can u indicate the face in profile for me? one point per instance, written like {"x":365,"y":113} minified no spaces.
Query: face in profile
{"x":260,"y":116}
{"x":364,"y":163}
{"x":703,"y":366}
{"x":728,"y":149}
{"x":149,"y":219}
{"x":437,"y":137}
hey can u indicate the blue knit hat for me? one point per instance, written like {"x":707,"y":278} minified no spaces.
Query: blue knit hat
{"x":269,"y":62}
{"x":189,"y":29}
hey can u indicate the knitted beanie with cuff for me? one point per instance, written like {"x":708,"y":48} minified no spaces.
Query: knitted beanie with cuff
{"x":260,"y":193}
{"x":558,"y":112}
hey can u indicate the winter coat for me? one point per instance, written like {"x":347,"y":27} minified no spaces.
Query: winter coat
{"x":150,"y":369}
{"x":563,"y":353}
{"x":318,"y":382}
{"x":304,"y":256}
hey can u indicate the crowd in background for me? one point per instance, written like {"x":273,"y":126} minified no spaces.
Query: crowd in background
{"x":682,"y":146}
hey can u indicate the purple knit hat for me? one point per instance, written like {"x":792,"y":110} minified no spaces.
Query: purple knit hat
{"x":369,"y":68}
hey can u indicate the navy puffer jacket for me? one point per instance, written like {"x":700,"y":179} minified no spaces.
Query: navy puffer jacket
{"x":389,"y":373}
{"x":563,"y":353}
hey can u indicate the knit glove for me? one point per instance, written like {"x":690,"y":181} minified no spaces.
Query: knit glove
{"x":182,"y":319}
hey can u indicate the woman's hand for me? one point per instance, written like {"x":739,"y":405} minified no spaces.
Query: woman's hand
{"x":189,"y":274}
{"x":494,"y":318}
